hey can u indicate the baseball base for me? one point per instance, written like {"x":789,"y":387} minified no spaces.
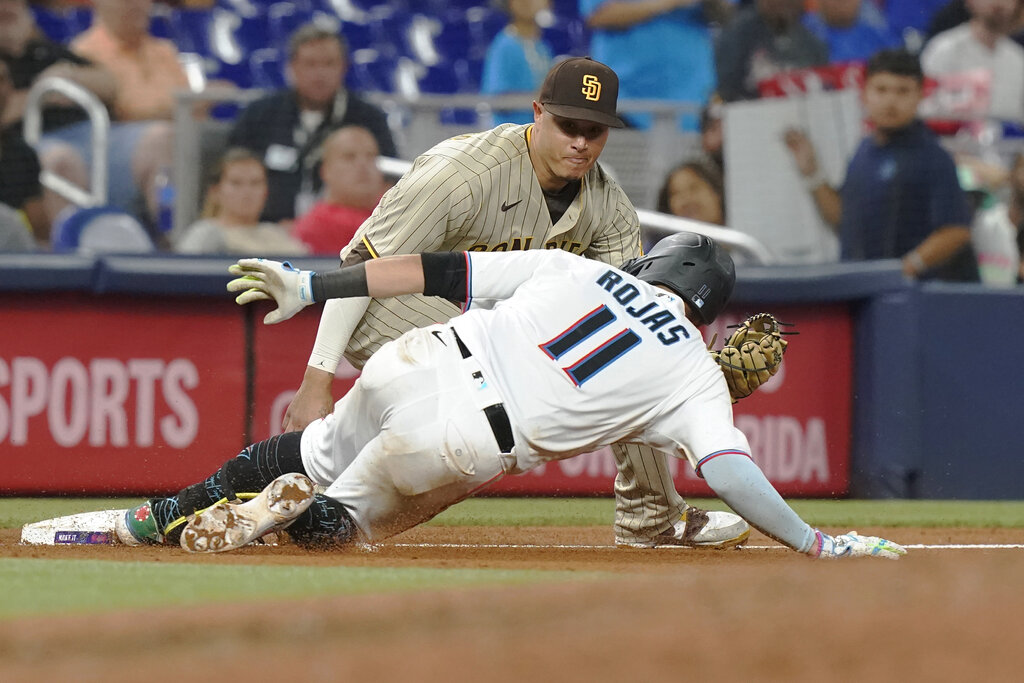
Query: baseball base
{"x":84,"y":528}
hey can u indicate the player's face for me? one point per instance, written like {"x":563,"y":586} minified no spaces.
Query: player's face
{"x":241,"y":192}
{"x":563,"y":150}
{"x":891,"y":100}
{"x":690,"y":196}
{"x":350,"y":171}
{"x":316,"y":72}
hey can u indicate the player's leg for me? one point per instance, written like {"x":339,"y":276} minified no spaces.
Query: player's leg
{"x":650,"y":513}
{"x":435,"y":446}
{"x":161,"y":520}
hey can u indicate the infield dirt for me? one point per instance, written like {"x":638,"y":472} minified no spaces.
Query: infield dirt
{"x":663,"y":615}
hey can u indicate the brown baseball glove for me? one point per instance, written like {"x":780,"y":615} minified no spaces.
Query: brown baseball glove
{"x":752,"y":354}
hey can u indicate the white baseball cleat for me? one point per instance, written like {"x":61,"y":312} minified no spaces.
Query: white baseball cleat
{"x":697,"y":529}
{"x":227,"y":526}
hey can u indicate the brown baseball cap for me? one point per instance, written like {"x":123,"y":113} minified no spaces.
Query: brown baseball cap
{"x":581,"y":88}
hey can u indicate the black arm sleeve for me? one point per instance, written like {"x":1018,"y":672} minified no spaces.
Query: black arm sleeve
{"x":444,"y":275}
{"x":340,"y":284}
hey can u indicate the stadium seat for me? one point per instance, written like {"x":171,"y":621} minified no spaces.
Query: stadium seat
{"x":252,"y":33}
{"x":357,"y":35}
{"x":190,"y":30}
{"x":160,"y":22}
{"x":356,"y":10}
{"x":61,"y":25}
{"x":283,"y":18}
{"x":469,"y":73}
{"x":484,"y":24}
{"x":455,"y":40}
{"x":266,"y":68}
{"x":567,"y":36}
{"x":99,"y":230}
{"x":388,"y":25}
{"x":439,"y":79}
{"x":371,"y":70}
{"x":417,"y":39}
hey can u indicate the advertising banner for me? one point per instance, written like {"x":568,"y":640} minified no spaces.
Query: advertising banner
{"x":280,"y":354}
{"x":129,"y":396}
{"x":126,"y":397}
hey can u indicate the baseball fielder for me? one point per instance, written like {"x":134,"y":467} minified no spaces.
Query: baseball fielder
{"x":508,"y":189}
{"x":542,"y":366}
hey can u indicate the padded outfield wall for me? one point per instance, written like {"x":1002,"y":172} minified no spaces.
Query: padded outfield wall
{"x":138,"y":374}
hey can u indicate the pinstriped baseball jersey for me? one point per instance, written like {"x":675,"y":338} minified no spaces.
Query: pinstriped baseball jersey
{"x":480,"y":192}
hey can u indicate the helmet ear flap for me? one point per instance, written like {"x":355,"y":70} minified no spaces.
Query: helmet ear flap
{"x":694,"y":267}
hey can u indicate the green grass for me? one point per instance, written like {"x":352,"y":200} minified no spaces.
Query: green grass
{"x":41,"y":587}
{"x":15,"y":512}
{"x":38,"y":587}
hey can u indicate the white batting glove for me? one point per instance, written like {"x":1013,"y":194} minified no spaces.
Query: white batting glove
{"x":853,"y":544}
{"x":283,"y":283}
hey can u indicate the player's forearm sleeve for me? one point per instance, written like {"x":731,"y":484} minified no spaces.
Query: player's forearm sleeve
{"x":742,"y":485}
{"x":445,"y":274}
{"x":338,"y":320}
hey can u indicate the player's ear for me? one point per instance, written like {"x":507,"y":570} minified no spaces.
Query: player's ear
{"x":537,"y":111}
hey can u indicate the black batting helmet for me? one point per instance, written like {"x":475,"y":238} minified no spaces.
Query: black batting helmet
{"x":694,"y":267}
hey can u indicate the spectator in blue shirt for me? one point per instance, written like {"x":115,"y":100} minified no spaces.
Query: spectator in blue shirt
{"x":517,"y":60}
{"x":841,"y":26}
{"x":661,"y":50}
{"x":911,"y":19}
{"x":901,"y":197}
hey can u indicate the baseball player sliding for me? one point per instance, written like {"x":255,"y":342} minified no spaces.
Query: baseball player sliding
{"x":542,"y":365}
{"x":513,"y":188}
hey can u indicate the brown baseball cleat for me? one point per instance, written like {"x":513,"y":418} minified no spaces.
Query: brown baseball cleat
{"x":227,"y":526}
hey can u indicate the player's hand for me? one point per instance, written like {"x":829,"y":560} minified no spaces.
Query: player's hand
{"x":311,"y":402}
{"x":259,"y":279}
{"x":853,"y":544}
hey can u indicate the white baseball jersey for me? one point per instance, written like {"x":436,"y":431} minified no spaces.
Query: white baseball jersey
{"x":585,"y":355}
{"x":579,"y":354}
{"x":480,"y":193}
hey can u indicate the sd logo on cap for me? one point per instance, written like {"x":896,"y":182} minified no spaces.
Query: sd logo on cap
{"x":581,"y":88}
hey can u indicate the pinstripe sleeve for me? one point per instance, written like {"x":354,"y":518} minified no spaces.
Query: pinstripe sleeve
{"x":618,"y":239}
{"x":416,"y":215}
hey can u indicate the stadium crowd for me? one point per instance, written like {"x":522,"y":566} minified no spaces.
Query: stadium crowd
{"x":296,"y":174}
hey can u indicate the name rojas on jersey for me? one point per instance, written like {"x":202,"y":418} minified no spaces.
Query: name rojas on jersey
{"x":650,"y":314}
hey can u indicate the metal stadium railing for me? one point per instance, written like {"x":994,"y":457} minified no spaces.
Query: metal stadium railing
{"x":96,"y":195}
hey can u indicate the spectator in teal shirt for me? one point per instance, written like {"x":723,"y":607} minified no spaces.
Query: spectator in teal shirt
{"x":517,"y":59}
{"x":661,"y":50}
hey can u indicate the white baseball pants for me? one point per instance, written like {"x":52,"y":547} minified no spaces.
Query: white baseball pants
{"x":410,"y":438}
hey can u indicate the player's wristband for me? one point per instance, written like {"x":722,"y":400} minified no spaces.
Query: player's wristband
{"x":340,"y":284}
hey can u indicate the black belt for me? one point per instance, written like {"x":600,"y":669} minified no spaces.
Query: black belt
{"x":496,"y":415}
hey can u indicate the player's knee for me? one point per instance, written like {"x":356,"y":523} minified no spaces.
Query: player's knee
{"x":327,"y":523}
